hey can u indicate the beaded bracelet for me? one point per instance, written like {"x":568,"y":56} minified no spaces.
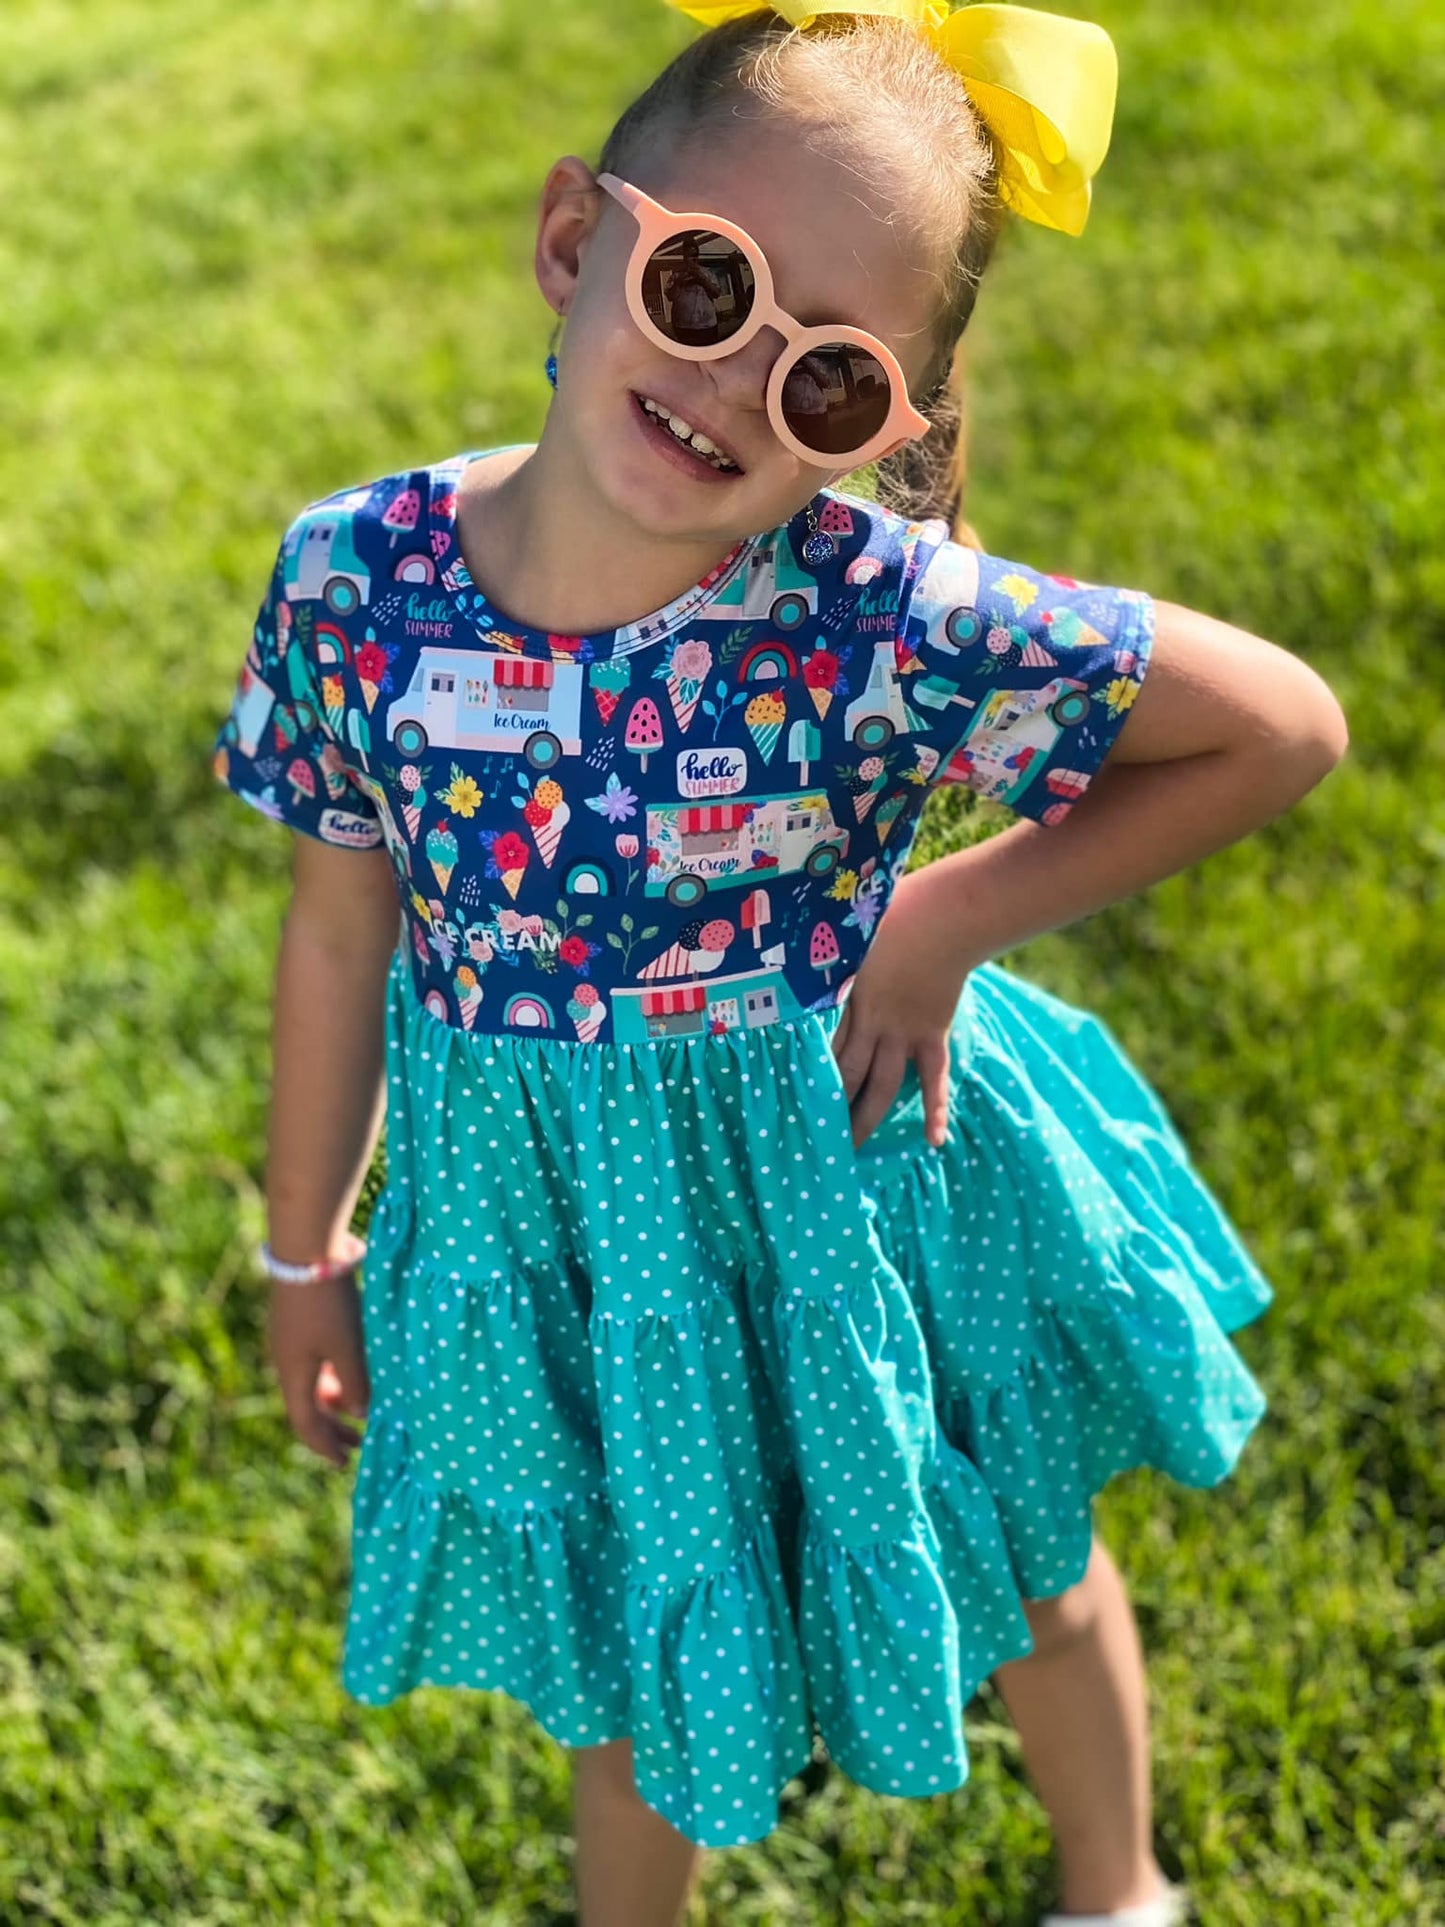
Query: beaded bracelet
{"x":314,"y":1273}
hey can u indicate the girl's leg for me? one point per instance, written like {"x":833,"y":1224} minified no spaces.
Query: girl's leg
{"x":1080,"y":1704}
{"x":633,"y":1868}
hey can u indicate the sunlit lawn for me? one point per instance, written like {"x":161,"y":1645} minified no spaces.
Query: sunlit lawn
{"x":250,"y":253}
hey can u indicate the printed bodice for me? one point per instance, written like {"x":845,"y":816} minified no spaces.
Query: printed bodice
{"x":691,"y":824}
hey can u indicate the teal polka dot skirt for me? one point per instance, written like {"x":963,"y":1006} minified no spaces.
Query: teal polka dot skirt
{"x":689,"y":1423}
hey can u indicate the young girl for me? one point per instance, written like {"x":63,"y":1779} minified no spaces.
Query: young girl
{"x":762,"y":1285}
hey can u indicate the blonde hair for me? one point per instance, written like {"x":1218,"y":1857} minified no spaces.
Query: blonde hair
{"x":838,"y":82}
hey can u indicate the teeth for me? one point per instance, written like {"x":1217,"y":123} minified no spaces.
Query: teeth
{"x":685,"y":432}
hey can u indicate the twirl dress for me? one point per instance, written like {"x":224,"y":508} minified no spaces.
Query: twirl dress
{"x":688,"y":1421}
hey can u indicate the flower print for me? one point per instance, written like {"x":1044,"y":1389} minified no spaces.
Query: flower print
{"x":371,"y":662}
{"x":868,"y":903}
{"x":1121,"y":693}
{"x":509,"y":852}
{"x":461,"y":796}
{"x":692,"y":661}
{"x":627,"y":847}
{"x":508,"y":857}
{"x":1020,"y":591}
{"x":574,"y":950}
{"x":617,"y":802}
{"x":444,"y":942}
{"x":843,"y":885}
{"x":820,"y":670}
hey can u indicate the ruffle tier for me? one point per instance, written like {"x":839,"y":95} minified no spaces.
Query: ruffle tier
{"x":690,"y":1423}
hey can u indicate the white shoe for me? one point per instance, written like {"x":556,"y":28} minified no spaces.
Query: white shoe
{"x":1167,"y":1911}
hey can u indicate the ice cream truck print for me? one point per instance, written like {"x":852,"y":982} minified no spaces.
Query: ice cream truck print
{"x":743,"y":1001}
{"x":322,"y":563}
{"x":696,"y":847}
{"x":472,"y":699}
{"x":770,"y":586}
{"x":1012,"y":733}
{"x":875,"y":716}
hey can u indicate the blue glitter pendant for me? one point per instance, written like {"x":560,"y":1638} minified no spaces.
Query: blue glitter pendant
{"x":552,"y":370}
{"x":819,"y":548}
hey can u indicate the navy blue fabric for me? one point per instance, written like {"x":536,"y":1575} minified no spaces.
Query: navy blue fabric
{"x":689,"y":824}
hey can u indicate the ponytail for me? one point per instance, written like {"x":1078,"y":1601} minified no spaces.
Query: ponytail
{"x":929,"y":478}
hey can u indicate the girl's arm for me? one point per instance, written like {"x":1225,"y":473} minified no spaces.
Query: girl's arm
{"x":1227,"y":732}
{"x":327,"y":1095}
{"x":328,"y":1103}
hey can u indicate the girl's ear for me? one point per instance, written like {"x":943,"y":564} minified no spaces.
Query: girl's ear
{"x":571,"y":202}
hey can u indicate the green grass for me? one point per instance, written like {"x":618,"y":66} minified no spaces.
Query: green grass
{"x":252,"y":252}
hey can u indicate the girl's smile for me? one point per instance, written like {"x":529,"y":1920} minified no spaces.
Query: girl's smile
{"x":684,"y":444}
{"x":838,"y":254}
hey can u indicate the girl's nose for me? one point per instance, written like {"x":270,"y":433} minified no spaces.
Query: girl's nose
{"x":741,"y":379}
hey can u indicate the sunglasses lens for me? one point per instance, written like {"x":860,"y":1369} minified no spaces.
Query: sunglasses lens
{"x":836,"y":398}
{"x":698,"y":288}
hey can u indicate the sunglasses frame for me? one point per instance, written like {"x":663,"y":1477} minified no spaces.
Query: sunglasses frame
{"x":655,"y":223}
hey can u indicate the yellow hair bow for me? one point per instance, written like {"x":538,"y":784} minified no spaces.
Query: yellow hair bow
{"x":1044,"y":85}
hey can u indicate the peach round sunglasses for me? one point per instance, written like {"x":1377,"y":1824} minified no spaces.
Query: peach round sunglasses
{"x":701,"y":288}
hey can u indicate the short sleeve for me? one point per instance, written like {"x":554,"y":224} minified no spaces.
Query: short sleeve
{"x":1024,"y":679}
{"x":276,"y":748}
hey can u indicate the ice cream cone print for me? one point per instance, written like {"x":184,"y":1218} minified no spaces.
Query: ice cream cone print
{"x":333,"y":698}
{"x":874,"y":772}
{"x":765,"y":716}
{"x":822,"y":702}
{"x":686,"y":670}
{"x":684,"y":701}
{"x":586,"y":1010}
{"x":547,"y":815}
{"x":416,"y":799}
{"x":469,"y":994}
{"x":675,"y":961}
{"x":441,"y":854}
{"x":371,"y":690}
{"x":513,"y":880}
{"x":607,"y":681}
{"x":547,"y":836}
{"x":888,"y":813}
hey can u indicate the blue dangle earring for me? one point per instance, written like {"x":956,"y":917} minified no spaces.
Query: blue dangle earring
{"x":551,"y":363}
{"x":819,"y":545}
